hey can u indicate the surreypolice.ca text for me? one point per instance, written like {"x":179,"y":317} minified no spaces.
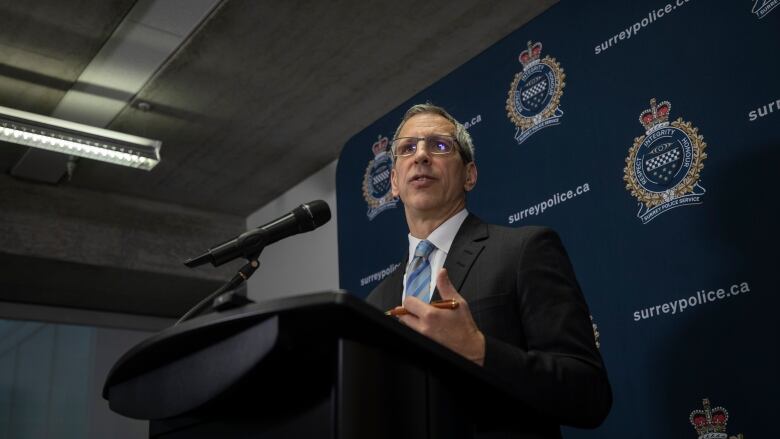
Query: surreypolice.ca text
{"x":700,"y":298}
{"x":633,"y":29}
{"x":379,"y":275}
{"x":554,"y":200}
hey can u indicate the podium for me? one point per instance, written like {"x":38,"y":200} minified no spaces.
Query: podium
{"x":324,"y":365}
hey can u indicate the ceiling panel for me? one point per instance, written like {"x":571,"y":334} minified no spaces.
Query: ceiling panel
{"x":45,"y":44}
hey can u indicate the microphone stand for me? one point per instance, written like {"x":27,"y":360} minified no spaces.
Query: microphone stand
{"x":225,"y":297}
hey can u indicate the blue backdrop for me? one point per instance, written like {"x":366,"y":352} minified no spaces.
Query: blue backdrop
{"x":670,"y":223}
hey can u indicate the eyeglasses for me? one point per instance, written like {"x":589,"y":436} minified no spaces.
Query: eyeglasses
{"x":437,"y":144}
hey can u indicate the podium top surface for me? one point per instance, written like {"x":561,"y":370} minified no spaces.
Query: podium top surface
{"x":321,"y":316}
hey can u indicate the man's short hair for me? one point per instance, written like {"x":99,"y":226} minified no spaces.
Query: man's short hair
{"x":463,"y":137}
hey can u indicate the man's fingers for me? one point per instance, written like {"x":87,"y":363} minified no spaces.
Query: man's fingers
{"x":411,"y":321}
{"x":414,"y":305}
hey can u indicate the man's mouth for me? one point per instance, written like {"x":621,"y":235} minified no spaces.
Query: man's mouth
{"x":421,"y":178}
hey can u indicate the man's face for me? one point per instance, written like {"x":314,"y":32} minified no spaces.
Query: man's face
{"x":431,"y":185}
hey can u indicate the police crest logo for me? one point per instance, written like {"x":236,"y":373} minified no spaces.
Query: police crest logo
{"x":710,"y":423}
{"x":763,"y":7}
{"x":663,"y":166}
{"x":376,"y":181}
{"x":535,"y":94}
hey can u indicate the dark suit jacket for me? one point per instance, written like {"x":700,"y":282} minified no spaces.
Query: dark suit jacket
{"x":522,"y":292}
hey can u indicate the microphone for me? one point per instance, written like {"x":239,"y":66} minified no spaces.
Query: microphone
{"x":303,"y":218}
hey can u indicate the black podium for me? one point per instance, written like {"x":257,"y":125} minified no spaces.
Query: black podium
{"x":324,"y":365}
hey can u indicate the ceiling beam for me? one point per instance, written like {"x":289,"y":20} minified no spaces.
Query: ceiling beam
{"x":85,"y":249}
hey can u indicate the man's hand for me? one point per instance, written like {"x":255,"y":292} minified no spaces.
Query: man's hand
{"x":454,"y":328}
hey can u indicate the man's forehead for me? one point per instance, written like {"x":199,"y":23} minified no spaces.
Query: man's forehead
{"x":428,"y":122}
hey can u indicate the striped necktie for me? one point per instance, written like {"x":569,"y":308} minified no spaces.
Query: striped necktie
{"x":418,"y":278}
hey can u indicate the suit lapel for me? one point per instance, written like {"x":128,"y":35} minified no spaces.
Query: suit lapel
{"x":465,"y":249}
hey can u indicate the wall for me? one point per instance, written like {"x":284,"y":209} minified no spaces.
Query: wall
{"x":303,"y":263}
{"x":51,"y":379}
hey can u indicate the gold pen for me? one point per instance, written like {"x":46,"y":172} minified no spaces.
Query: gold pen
{"x":441,"y":304}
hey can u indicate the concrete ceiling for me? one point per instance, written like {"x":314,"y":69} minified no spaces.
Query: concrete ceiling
{"x":255,"y":97}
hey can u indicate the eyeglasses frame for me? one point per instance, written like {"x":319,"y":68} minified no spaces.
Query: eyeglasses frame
{"x":454,"y":139}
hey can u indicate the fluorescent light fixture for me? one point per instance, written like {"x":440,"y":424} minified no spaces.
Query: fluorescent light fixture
{"x":76,"y":139}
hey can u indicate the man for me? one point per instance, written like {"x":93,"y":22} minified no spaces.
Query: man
{"x":521,"y":313}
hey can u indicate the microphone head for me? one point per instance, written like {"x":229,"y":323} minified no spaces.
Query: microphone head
{"x":312,"y":215}
{"x":318,"y":211}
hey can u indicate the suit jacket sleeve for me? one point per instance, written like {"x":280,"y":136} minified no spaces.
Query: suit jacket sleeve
{"x":555,"y":364}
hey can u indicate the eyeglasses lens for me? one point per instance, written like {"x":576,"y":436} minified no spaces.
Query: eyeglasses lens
{"x":407,"y":146}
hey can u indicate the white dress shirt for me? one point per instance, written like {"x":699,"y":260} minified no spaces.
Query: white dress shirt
{"x":442,"y":238}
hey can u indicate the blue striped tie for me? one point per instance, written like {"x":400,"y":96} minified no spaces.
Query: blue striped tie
{"x":418,"y":278}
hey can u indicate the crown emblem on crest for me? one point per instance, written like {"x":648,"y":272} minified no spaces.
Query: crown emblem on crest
{"x":656,"y":115}
{"x":710,"y":423}
{"x":380,"y":145}
{"x":531,"y":55}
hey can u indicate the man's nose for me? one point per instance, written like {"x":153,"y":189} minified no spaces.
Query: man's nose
{"x":422,"y":154}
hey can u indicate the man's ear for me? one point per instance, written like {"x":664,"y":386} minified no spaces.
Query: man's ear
{"x":394,"y":181}
{"x":471,"y":176}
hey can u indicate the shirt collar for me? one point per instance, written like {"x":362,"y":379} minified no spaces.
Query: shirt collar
{"x":443,"y":235}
